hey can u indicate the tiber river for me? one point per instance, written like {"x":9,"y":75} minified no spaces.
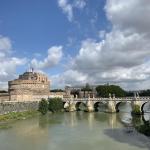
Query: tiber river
{"x":76,"y":131}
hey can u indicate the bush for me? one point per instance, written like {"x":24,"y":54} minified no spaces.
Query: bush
{"x":43,"y":106}
{"x":136,"y":110}
{"x":55,"y":104}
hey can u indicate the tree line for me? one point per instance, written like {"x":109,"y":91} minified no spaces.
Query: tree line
{"x":104,"y":90}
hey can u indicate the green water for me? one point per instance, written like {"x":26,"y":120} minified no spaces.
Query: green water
{"x":74,"y":131}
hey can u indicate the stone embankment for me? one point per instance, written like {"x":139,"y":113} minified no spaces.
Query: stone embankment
{"x":12,"y":106}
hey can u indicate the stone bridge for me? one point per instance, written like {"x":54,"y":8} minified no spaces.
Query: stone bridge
{"x":112,"y":103}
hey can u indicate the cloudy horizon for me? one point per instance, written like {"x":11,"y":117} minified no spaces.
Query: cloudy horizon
{"x":77,"y":41}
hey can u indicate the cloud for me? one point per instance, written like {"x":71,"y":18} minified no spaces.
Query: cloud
{"x":8,"y":63}
{"x":5,"y":46}
{"x":121,"y":56}
{"x":53,"y":58}
{"x":79,"y":4}
{"x":67,"y":7}
{"x":69,"y":77}
{"x":129,"y":15}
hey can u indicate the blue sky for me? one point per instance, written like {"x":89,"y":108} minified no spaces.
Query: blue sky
{"x":34,"y":26}
{"x":70,"y":40}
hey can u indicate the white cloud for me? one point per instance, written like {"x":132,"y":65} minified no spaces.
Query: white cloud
{"x":131,"y":14}
{"x":79,"y":4}
{"x":69,"y":77}
{"x":53,"y":58}
{"x":121,"y":56}
{"x":68,"y":7}
{"x":8,"y":63}
{"x":5,"y":46}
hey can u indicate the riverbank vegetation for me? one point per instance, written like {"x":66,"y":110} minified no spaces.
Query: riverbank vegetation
{"x":52,"y":104}
{"x":55,"y":104}
{"x":43,"y":106}
{"x":17,"y":115}
{"x":136,"y":110}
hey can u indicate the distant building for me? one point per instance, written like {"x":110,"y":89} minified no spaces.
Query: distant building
{"x":79,"y":91}
{"x":29,"y":86}
{"x":57,"y":94}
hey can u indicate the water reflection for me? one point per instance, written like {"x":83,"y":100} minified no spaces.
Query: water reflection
{"x":125,"y":107}
{"x":125,"y":118}
{"x":112,"y":120}
{"x":75,"y":130}
{"x":146,"y":116}
{"x":91,"y":119}
{"x":131,"y":138}
{"x":146,"y":107}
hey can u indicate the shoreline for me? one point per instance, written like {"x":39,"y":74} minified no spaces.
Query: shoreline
{"x":14,"y":116}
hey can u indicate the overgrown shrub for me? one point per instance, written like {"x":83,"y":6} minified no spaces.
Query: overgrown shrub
{"x":43,"y":106}
{"x":55,"y":104}
{"x":136,"y":110}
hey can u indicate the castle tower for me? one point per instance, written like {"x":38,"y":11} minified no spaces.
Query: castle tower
{"x":29,"y":86}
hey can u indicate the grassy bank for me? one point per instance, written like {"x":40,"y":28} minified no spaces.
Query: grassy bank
{"x":17,"y":116}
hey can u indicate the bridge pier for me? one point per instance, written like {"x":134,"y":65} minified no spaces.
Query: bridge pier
{"x":72,"y":106}
{"x":90,"y":105}
{"x":111,"y":105}
{"x":136,"y":105}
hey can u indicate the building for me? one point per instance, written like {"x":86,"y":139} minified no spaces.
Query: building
{"x":30,"y":86}
{"x":57,"y":94}
{"x":79,"y":91}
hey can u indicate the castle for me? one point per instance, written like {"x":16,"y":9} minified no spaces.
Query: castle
{"x":30,"y":86}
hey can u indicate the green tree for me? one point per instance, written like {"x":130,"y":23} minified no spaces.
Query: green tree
{"x":43,"y":106}
{"x":145,"y":92}
{"x":55,"y":104}
{"x":104,"y":90}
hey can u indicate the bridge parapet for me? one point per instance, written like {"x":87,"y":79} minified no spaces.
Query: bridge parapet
{"x":107,"y":99}
{"x":111,"y":102}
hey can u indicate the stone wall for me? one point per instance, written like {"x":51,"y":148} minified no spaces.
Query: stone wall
{"x":12,"y":106}
{"x":4,"y":97}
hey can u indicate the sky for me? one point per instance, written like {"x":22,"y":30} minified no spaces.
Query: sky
{"x":76,"y":42}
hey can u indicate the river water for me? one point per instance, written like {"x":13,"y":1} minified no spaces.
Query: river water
{"x":75,"y":131}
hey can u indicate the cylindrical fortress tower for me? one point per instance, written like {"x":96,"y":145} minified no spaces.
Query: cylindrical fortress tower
{"x":29,"y":86}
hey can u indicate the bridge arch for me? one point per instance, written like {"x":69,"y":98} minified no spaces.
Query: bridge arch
{"x":142,"y":106}
{"x":78,"y":105}
{"x":97,"y":105}
{"x":119,"y":103}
